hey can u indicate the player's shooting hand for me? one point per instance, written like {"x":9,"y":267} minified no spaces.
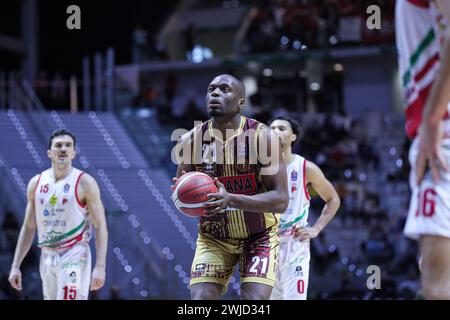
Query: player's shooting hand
{"x":430,"y":151}
{"x":15,"y":278}
{"x":218,"y":201}
{"x":175,"y":179}
{"x":98,"y":278}
{"x":305,"y":233}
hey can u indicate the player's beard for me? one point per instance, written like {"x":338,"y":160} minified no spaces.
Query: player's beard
{"x":216,"y":113}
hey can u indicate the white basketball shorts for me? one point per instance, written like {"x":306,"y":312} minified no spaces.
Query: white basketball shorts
{"x":293,"y":271}
{"x":66,"y":274}
{"x":429,"y":210}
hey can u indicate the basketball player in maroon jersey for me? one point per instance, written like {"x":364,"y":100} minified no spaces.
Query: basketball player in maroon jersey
{"x":241,"y":222}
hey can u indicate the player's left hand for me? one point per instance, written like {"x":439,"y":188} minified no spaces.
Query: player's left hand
{"x":98,"y":278}
{"x":218,"y":201}
{"x":305,"y":233}
{"x":430,"y":151}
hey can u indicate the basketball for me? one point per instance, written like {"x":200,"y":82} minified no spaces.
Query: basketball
{"x":191,"y":191}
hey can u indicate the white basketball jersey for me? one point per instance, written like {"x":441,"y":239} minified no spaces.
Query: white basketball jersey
{"x":62,"y":220}
{"x":419,"y":34}
{"x":298,"y":208}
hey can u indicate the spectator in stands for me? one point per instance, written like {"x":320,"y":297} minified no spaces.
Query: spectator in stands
{"x":367,"y":154}
{"x":377,"y":248}
{"x":288,"y":25}
{"x":322,"y":257}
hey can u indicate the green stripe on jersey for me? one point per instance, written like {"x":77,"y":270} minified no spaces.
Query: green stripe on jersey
{"x":290,"y":224}
{"x":424,"y":44}
{"x":55,"y":239}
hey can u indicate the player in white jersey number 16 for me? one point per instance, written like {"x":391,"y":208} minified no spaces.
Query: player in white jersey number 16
{"x":423,"y":45}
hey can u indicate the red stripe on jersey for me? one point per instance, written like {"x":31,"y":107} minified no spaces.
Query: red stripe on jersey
{"x":430,"y":63}
{"x":67,"y":244}
{"x":414,"y":112}
{"x":37,"y":184}
{"x":304,"y":181}
{"x":70,"y":243}
{"x":415,"y":109}
{"x":420,"y":3}
{"x":76,"y":192}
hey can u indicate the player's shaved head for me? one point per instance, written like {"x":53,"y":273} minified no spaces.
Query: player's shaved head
{"x":234,"y":81}
{"x":225,"y":96}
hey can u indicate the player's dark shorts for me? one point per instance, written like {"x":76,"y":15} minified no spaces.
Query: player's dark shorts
{"x":216,"y":259}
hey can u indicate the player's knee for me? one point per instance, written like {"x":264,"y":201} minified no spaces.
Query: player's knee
{"x":433,"y":292}
{"x":204,"y":293}
{"x":252,"y":294}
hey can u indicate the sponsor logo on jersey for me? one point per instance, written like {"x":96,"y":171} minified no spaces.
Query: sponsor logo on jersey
{"x":69,"y":265}
{"x":54,"y":223}
{"x":293,"y":189}
{"x":73,"y":277}
{"x":294,"y":175}
{"x":200,"y":267}
{"x":240,"y":184}
{"x":52,"y":236}
{"x":53,"y":200}
{"x":298,"y":271}
{"x":46,"y":212}
{"x":209,"y":168}
{"x":66,"y":188}
{"x":65,"y":200}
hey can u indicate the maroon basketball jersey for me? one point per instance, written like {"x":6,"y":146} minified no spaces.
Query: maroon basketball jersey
{"x":234,"y":160}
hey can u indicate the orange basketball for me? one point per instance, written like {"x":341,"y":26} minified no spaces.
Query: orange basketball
{"x":191,"y":191}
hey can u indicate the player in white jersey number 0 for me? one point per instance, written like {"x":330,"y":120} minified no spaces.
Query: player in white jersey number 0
{"x":62,"y":204}
{"x":294,"y":255}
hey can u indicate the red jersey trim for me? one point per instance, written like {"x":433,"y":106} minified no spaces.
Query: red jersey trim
{"x":304,"y":181}
{"x":37,"y":184}
{"x":430,"y":63}
{"x":76,"y":192}
{"x":420,"y":3}
{"x":414,"y":112}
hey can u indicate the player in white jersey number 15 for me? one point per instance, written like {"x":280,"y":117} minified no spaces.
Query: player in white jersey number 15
{"x":295,"y":234}
{"x":62,"y":204}
{"x":423,"y":45}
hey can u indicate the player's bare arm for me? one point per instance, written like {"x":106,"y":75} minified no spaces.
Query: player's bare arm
{"x":91,"y":194}
{"x":275,"y":199}
{"x":430,"y":133}
{"x":26,"y":236}
{"x":327,"y":193}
